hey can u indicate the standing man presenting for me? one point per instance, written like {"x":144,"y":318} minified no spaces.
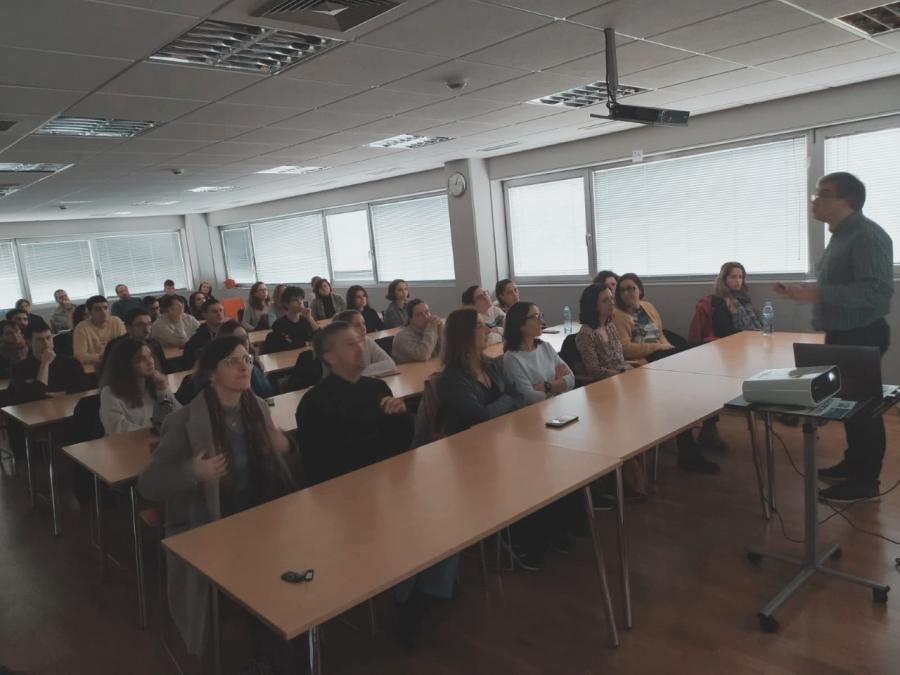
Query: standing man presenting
{"x":851,"y":297}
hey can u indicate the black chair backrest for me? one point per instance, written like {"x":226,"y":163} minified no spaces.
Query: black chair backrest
{"x":86,"y":424}
{"x":275,"y":342}
{"x":307,"y":372}
{"x":386,"y":343}
{"x":62,"y":343}
{"x":569,"y":352}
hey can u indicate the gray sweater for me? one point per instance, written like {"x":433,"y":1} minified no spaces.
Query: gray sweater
{"x":411,"y":344}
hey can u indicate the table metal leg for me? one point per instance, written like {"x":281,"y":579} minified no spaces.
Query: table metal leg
{"x":215,"y":627}
{"x":315,"y":651}
{"x":757,"y":464}
{"x":655,"y":463}
{"x":54,"y":500}
{"x":28,"y":467}
{"x":484,"y":573}
{"x":98,"y":514}
{"x":623,"y":546}
{"x":138,"y":559}
{"x":770,"y":459}
{"x":601,"y":566}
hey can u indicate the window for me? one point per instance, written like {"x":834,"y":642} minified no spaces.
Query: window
{"x":49,"y":265}
{"x":238,"y":255}
{"x":10,"y":286}
{"x":547,"y":229}
{"x":412,"y":239}
{"x":872,"y":157}
{"x":140,"y":261}
{"x":348,"y":244}
{"x":687,"y":216}
{"x":289,"y":249}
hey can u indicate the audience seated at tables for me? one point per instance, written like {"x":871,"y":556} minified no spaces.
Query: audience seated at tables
{"x":420,"y":340}
{"x":91,"y":336}
{"x":638,"y":323}
{"x":125,"y":303}
{"x":507,"y":293}
{"x":213,"y":313}
{"x":195,"y":305}
{"x":169,"y":289}
{"x":396,"y":313}
{"x":531,"y":364}
{"x":24,"y":305}
{"x":376,"y":361}
{"x":137,"y":327}
{"x":43,"y":372}
{"x":62,"y":319}
{"x":206,"y":288}
{"x":491,"y":316}
{"x":258,"y":312}
{"x":13,"y":347}
{"x":134,"y":392}
{"x":325,"y":304}
{"x":472,"y":388}
{"x":358,"y":299}
{"x":296,"y":327}
{"x":174,"y":327}
{"x":278,"y":300}
{"x":219,"y":455}
{"x":609,"y":279}
{"x":151,"y":304}
{"x":732,"y":308}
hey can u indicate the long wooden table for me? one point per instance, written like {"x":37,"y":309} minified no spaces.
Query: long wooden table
{"x":280,"y":362}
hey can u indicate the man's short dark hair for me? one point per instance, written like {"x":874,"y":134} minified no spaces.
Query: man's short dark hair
{"x":166,"y":301}
{"x":6,"y":323}
{"x":20,"y":302}
{"x":118,"y":286}
{"x":411,"y":308}
{"x":39,"y":326}
{"x":848,"y":187}
{"x":291,"y":293}
{"x":204,"y":308}
{"x":323,"y":340}
{"x":168,"y":282}
{"x":149,"y":300}
{"x":93,"y":300}
{"x":13,"y":312}
{"x":132,"y":314}
{"x":347,"y":315}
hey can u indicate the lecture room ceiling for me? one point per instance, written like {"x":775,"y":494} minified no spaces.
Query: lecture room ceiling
{"x":385,"y":77}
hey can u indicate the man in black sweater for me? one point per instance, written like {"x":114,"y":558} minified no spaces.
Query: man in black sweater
{"x":213,"y":312}
{"x":296,"y":327}
{"x":43,"y":372}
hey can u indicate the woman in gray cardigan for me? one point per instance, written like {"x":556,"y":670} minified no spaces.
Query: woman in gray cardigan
{"x":218,"y":455}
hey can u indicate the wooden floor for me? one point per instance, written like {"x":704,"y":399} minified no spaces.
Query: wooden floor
{"x":695,"y":594}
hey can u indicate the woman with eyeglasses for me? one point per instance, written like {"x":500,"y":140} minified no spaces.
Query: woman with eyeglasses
{"x":219,"y":455}
{"x":638,"y":323}
{"x":491,"y":315}
{"x":531,"y":364}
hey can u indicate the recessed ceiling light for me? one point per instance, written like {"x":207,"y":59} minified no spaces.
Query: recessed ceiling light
{"x":585,"y":95}
{"x":96,"y":127}
{"x":69,"y":202}
{"x":491,"y":148}
{"x":234,"y":46}
{"x":156,"y":203}
{"x":213,"y":188}
{"x":298,"y":170}
{"x":44,"y":167}
{"x":408,"y":141}
{"x":876,"y":20}
{"x":121,"y":213}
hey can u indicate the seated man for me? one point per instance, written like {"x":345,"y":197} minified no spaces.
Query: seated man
{"x":169,"y":290}
{"x":12,"y":346}
{"x":151,"y":304}
{"x":137,"y":326}
{"x":91,"y":336}
{"x":420,"y":340}
{"x":125,"y":303}
{"x":62,"y":316}
{"x":174,"y":327}
{"x":213,"y":312}
{"x":19,"y":316}
{"x":377,"y":361}
{"x":296,"y":327}
{"x":43,"y":372}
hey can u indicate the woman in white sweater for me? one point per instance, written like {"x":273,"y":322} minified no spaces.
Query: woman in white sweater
{"x":532,"y":364}
{"x":135,"y":393}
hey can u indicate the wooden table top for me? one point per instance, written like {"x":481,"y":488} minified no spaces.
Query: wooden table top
{"x":451,"y":494}
{"x":173,"y":352}
{"x":280,"y":361}
{"x":46,"y":411}
{"x":257,"y":337}
{"x":740,"y":355}
{"x":116,"y":459}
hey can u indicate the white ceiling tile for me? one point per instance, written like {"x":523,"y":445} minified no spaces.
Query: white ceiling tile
{"x":477,"y":75}
{"x":766,"y":91}
{"x":859,"y":71}
{"x":645,"y":18}
{"x":162,"y":145}
{"x":514,"y":114}
{"x":194,"y":132}
{"x":543,"y":48}
{"x":787,"y":44}
{"x":68,"y":144}
{"x":453,"y":28}
{"x":529,"y":87}
{"x":238,"y":149}
{"x":725,"y":81}
{"x":392,"y":126}
{"x":132,"y":159}
{"x":382,"y":102}
{"x":132,"y":107}
{"x":358,"y":155}
{"x":457,"y":108}
{"x":327,"y":120}
{"x":680,"y":71}
{"x":199,"y":8}
{"x":552,"y":8}
{"x":82,"y":27}
{"x":831,"y":9}
{"x":25,"y":100}
{"x":457,"y":129}
{"x":238,"y":115}
{"x":33,"y":68}
{"x":891,"y":40}
{"x":631,"y":57}
{"x":24,"y":125}
{"x":349,"y":139}
{"x":297,"y":94}
{"x":278,"y":135}
{"x":362,"y":65}
{"x":295,"y":152}
{"x":828,"y":57}
{"x":174,"y":81}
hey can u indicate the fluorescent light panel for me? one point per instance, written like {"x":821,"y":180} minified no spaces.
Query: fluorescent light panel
{"x":585,"y":95}
{"x":169,"y":203}
{"x":95,"y":127}
{"x":409,"y":141}
{"x":294,"y":170}
{"x":43,"y":167}
{"x":874,"y":21}
{"x":213,"y":188}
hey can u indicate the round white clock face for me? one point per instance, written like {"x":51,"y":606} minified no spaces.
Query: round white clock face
{"x":456,"y":184}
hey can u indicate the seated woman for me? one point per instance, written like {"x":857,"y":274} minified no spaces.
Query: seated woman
{"x":195,"y":305}
{"x":532,"y":365}
{"x":358,"y":299}
{"x":607,"y":278}
{"x":217,"y":456}
{"x":278,"y":301}
{"x":258,"y":313}
{"x":492,"y":317}
{"x":134,"y":393}
{"x":325,"y":304}
{"x":638,"y":323}
{"x":732,"y":308}
{"x":395,"y":316}
{"x":507,"y":294}
{"x":206,"y":288}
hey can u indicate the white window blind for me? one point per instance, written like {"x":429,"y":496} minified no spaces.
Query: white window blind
{"x":872,"y":157}
{"x":238,"y":255}
{"x":412,"y":239}
{"x":10,"y":287}
{"x":687,"y":216}
{"x":547,"y":229}
{"x":59,"y":264}
{"x":348,"y":243}
{"x":290,"y":250}
{"x":140,"y":261}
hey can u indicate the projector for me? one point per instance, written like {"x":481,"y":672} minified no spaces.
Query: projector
{"x":650,"y":116}
{"x":803,"y":387}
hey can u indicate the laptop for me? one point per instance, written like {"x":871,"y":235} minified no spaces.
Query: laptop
{"x":860,"y":367}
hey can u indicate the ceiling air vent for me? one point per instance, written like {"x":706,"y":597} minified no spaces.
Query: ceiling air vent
{"x":501,"y":146}
{"x":6,"y":190}
{"x":232,"y":46}
{"x":408,"y":141}
{"x":95,"y":127}
{"x":6,"y":125}
{"x":337,"y":15}
{"x":876,"y":20}
{"x":585,"y":95}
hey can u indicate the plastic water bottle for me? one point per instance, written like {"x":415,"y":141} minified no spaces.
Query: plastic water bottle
{"x":768,"y":319}
{"x":567,"y":320}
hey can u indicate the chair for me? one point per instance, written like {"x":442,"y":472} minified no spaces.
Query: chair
{"x":701,"y":330}
{"x":85,"y":426}
{"x":274,"y":342}
{"x":569,"y":354}
{"x":386,"y":343}
{"x":233,"y":307}
{"x":62,"y":343}
{"x":307,"y":371}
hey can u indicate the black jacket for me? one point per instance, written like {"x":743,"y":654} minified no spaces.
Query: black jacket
{"x":465,"y":402}
{"x":65,"y":375}
{"x":373,"y":321}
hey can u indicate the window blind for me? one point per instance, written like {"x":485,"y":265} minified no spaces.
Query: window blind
{"x":687,"y":216}
{"x":412,"y":239}
{"x":238,"y":255}
{"x":290,"y":250}
{"x":872,"y":157}
{"x":140,"y":261}
{"x":59,"y":264}
{"x":348,"y":243}
{"x":548,"y":229}
{"x":10,"y":287}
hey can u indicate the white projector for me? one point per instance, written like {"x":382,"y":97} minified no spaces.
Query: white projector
{"x":803,"y":387}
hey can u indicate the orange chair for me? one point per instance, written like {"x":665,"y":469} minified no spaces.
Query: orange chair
{"x":233,"y":306}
